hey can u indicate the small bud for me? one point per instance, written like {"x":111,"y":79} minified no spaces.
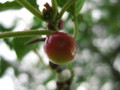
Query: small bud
{"x":60,"y":24}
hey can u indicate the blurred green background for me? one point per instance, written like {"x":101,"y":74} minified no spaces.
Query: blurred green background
{"x":97,"y":62}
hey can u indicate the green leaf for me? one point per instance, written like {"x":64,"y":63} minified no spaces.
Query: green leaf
{"x":21,"y":49}
{"x":8,"y":42}
{"x":9,"y":5}
{"x":33,"y":3}
{"x":4,"y":29}
{"x":37,"y":23}
{"x":3,"y":66}
{"x":78,"y":5}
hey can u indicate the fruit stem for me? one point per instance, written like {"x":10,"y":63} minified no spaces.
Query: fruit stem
{"x":55,"y":67}
{"x":75,"y":26}
{"x":33,"y":10}
{"x":75,"y":22}
{"x":55,"y":9}
{"x":25,"y":33}
{"x":65,"y":7}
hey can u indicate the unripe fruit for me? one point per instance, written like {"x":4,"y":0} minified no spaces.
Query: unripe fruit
{"x":60,"y":47}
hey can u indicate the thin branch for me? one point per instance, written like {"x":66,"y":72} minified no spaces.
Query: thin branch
{"x":32,"y":9}
{"x":65,"y":7}
{"x":55,"y":9}
{"x":75,"y":26}
{"x":25,"y":33}
{"x":40,"y":58}
{"x":35,"y":41}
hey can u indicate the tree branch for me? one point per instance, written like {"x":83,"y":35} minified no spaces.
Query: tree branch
{"x":25,"y":33}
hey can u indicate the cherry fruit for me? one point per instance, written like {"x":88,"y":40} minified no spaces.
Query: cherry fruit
{"x":60,"y":47}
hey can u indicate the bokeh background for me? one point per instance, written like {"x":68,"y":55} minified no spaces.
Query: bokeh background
{"x":97,"y":62}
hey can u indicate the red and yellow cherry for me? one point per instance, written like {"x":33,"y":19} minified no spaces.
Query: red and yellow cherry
{"x":60,"y":47}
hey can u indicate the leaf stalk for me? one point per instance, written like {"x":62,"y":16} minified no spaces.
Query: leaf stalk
{"x":25,"y":33}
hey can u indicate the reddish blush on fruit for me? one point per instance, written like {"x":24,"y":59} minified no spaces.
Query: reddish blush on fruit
{"x":60,"y":47}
